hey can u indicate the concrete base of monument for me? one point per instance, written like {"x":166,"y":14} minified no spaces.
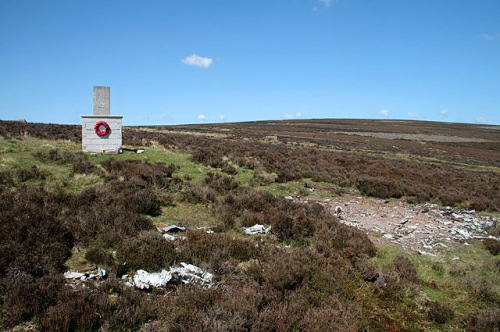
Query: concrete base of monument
{"x":94,"y":141}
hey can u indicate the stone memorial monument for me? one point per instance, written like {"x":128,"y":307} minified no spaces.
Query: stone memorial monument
{"x":102,"y":132}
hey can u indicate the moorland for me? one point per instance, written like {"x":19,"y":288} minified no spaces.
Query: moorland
{"x":64,"y":210}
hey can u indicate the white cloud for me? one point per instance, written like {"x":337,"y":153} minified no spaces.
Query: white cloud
{"x":297,"y":115}
{"x":480,"y":119}
{"x":443,"y":112}
{"x":326,"y":3}
{"x":198,"y":61}
{"x":222,"y":117}
{"x":414,"y":115}
{"x":384,"y":113}
{"x":491,"y":37}
{"x":202,"y":117}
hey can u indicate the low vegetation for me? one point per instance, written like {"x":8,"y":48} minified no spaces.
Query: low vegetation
{"x":62,"y":209}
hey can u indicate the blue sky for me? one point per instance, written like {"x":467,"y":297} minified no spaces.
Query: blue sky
{"x":201,"y":61}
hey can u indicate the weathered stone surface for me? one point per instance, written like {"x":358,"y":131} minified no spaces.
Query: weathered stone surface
{"x":101,"y":100}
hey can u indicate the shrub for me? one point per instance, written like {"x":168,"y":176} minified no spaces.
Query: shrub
{"x":334,"y":238}
{"x":148,"y":251}
{"x":77,"y":313}
{"x":482,"y":320}
{"x":380,"y":187}
{"x":99,"y":256}
{"x":33,"y":233}
{"x":32,"y":173}
{"x":26,"y":297}
{"x":200,"y":194}
{"x":201,"y":248}
{"x":106,"y":217}
{"x":405,"y":268}
{"x":439,"y":313}
{"x":492,"y":245}
{"x":156,"y":175}
{"x":220,"y":183}
{"x":6,"y":179}
{"x":83,"y":167}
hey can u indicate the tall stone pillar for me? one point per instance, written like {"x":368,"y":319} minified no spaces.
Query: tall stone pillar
{"x":102,"y":132}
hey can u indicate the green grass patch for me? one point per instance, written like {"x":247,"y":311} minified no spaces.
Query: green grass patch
{"x":186,"y":215}
{"x":462,"y":277}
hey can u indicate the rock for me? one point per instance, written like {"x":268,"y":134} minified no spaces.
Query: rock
{"x":140,"y":151}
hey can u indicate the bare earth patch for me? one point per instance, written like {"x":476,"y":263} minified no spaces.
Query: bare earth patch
{"x":418,"y":228}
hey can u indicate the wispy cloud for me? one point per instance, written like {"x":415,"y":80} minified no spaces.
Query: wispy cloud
{"x":491,"y":37}
{"x":222,"y":117}
{"x":414,"y":115}
{"x":480,"y":119}
{"x":198,"y":61}
{"x":326,"y":3}
{"x":443,"y":112}
{"x":297,"y":115}
{"x":202,"y":117}
{"x":384,"y":113}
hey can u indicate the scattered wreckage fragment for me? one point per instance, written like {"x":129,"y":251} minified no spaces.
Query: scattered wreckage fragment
{"x":187,"y":274}
{"x":256,"y":229}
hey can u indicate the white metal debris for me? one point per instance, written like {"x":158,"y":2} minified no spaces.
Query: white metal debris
{"x":172,"y":229}
{"x":146,"y":280}
{"x":186,"y":274}
{"x":256,"y":229}
{"x":73,"y":275}
{"x":169,"y":237}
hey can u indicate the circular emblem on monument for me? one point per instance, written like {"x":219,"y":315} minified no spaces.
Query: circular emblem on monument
{"x":101,"y":128}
